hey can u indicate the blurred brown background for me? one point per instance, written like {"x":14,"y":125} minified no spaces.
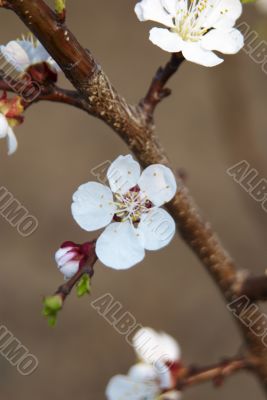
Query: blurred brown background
{"x":215,"y":118}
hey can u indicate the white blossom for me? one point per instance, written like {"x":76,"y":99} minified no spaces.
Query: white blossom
{"x":6,"y":132}
{"x":145,"y":380}
{"x":153,"y":347}
{"x":129,"y":210}
{"x":194,"y":27}
{"x":25,"y":52}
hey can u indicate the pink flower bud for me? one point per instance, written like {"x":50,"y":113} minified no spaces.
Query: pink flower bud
{"x":71,"y":257}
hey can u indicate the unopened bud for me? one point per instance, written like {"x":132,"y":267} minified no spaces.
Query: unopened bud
{"x":71,"y":257}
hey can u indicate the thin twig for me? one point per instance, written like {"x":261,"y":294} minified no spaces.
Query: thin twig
{"x":157,"y":90}
{"x":217,"y":373}
{"x":51,"y":93}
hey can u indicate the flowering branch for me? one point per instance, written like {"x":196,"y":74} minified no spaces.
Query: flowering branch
{"x":217,"y":373}
{"x":176,"y":376}
{"x":132,"y":124}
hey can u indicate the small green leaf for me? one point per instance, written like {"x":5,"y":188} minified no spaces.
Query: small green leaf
{"x":83,"y":286}
{"x":247,"y":1}
{"x":52,"y":320}
{"x":60,"y":6}
{"x":52,"y":305}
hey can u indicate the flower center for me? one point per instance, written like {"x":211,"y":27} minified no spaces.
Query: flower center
{"x":131,"y":206}
{"x":190,"y":19}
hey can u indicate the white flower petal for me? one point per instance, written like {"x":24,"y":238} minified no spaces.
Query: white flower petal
{"x":164,"y":375}
{"x":153,"y":10}
{"x":223,"y":13}
{"x":29,"y":48}
{"x":15,"y":55}
{"x":69,"y":269}
{"x":142,"y":372}
{"x":61,"y":252}
{"x":92,"y":206}
{"x":171,"y":6}
{"x":165,"y":39}
{"x":171,"y":395}
{"x":195,"y":53}
{"x":158,"y":372}
{"x":66,"y":258}
{"x":121,"y":387}
{"x":119,"y":246}
{"x":152,"y":347}
{"x":39,"y":54}
{"x":170,"y":346}
{"x":3,"y":126}
{"x":53,"y":64}
{"x":12,"y":143}
{"x":123,"y":174}
{"x":225,"y":41}
{"x":23,"y":53}
{"x":156,"y":229}
{"x":158,"y":183}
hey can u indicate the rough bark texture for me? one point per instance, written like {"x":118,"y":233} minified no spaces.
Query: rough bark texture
{"x":134,"y":124}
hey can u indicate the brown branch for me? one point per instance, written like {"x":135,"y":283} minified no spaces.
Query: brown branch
{"x":157,"y":90}
{"x":217,"y":373}
{"x":254,"y":287}
{"x":59,"y":95}
{"x":137,"y":130}
{"x":51,"y":93}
